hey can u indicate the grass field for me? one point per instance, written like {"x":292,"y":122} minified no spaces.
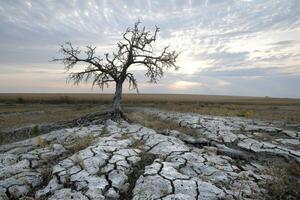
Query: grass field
{"x":18,"y":115}
{"x":142,"y":98}
{"x":18,"y":110}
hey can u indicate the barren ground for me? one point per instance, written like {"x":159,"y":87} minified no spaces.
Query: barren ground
{"x":163,"y":153}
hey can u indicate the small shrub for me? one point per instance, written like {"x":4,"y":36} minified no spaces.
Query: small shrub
{"x":137,"y":144}
{"x":14,"y":193}
{"x":249,"y":114}
{"x":35,"y":131}
{"x":50,"y":147}
{"x":65,"y":99}
{"x":40,"y":141}
{"x":46,"y":174}
{"x":242,"y":128}
{"x":66,"y":180}
{"x":104,"y":132}
{"x":124,"y":136}
{"x":20,"y":100}
{"x":80,"y":143}
{"x":26,"y":198}
{"x":286,"y":183}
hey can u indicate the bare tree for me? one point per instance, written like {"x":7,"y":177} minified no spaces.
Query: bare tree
{"x":135,"y":48}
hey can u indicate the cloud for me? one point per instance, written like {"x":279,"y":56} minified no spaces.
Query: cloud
{"x":285,"y":42}
{"x":183,"y":85}
{"x":222,"y":83}
{"x":219,"y":40}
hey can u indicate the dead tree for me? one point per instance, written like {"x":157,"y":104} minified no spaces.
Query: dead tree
{"x":135,"y":48}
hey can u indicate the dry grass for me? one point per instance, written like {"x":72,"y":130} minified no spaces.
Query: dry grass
{"x":150,"y":121}
{"x":35,"y":131}
{"x":285,"y":113}
{"x":156,"y":123}
{"x":26,"y":198}
{"x":40,"y":142}
{"x":18,"y":115}
{"x":18,"y":110}
{"x":80,"y":143}
{"x":142,"y":98}
{"x":286,"y":183}
{"x":137,"y":144}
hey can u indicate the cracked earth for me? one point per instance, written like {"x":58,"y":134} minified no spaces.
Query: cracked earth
{"x":130,"y":161}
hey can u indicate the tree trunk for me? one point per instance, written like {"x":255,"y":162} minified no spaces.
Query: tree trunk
{"x":117,"y":100}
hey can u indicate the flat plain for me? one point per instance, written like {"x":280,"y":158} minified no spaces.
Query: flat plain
{"x":46,"y":108}
{"x":64,"y":146}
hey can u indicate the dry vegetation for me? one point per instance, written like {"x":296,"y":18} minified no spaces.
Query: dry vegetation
{"x":18,"y":115}
{"x":150,"y":121}
{"x":143,"y":98}
{"x":274,"y":111}
{"x":18,"y":110}
{"x":286,"y":182}
{"x":156,"y":123}
{"x":80,"y":143}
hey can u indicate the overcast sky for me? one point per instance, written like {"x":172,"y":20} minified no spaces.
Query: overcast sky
{"x":229,"y":47}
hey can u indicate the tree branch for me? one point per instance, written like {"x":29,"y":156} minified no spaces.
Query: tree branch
{"x":136,"y":48}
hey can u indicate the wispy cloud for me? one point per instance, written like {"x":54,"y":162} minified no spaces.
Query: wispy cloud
{"x":185,"y":85}
{"x":219,"y":40}
{"x":222,"y":83}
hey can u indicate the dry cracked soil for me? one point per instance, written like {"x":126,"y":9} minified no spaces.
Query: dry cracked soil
{"x":224,"y":158}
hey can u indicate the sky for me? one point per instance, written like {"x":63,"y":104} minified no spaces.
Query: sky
{"x":228,"y":47}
